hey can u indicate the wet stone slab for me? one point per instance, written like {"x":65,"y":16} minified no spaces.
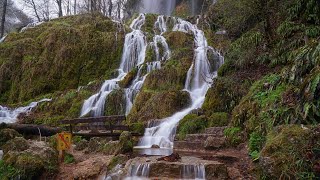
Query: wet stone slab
{"x":186,"y":168}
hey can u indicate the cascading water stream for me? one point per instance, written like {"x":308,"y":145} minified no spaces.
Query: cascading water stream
{"x":133,"y":56}
{"x":8,"y":115}
{"x":137,"y":83}
{"x":198,"y":81}
{"x":164,"y":7}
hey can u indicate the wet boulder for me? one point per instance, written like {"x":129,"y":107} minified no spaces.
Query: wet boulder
{"x":7,"y":134}
{"x":125,"y":142}
{"x":214,"y":142}
{"x":16,"y":144}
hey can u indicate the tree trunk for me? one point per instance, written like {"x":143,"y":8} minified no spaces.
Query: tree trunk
{"x":3,"y":19}
{"x":35,"y":10}
{"x":75,"y":7}
{"x":110,"y":8}
{"x":59,"y":3}
{"x":31,"y":129}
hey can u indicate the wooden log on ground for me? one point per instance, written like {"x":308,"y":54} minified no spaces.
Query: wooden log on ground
{"x":32,"y":129}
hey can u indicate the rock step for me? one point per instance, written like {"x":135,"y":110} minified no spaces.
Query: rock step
{"x":184,"y":145}
{"x":200,"y":137}
{"x":216,"y":131}
{"x":185,"y":168}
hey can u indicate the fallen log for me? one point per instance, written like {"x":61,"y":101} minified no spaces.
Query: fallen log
{"x":32,"y":129}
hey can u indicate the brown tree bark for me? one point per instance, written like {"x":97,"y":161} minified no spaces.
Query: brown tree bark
{"x":3,"y":19}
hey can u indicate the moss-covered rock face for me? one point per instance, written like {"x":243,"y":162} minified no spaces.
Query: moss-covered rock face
{"x":191,"y":124}
{"x":6,"y":135}
{"x":61,"y":54}
{"x":16,"y":144}
{"x":115,"y":103}
{"x":161,"y":95}
{"x":159,"y":105}
{"x":292,"y":152}
{"x":28,"y":159}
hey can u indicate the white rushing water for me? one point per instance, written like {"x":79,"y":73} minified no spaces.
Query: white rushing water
{"x":192,"y":171}
{"x":133,"y":56}
{"x":198,"y":81}
{"x":8,"y":115}
{"x":138,"y":172}
{"x":164,"y":7}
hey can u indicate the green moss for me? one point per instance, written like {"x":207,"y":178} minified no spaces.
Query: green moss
{"x":148,"y":107}
{"x":115,"y":103}
{"x":233,"y":135}
{"x":6,"y":135}
{"x":291,"y":151}
{"x":224,"y":95}
{"x":191,"y":124}
{"x":8,"y":172}
{"x":218,"y":119}
{"x":119,"y":159}
{"x":48,"y":58}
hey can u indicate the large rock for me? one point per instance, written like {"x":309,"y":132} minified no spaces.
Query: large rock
{"x":16,"y":144}
{"x":125,"y":142}
{"x":30,"y":158}
{"x":7,"y":134}
{"x":214,"y":142}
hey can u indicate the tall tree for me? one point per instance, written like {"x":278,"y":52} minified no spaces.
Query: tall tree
{"x":32,"y":5}
{"x":59,"y":3}
{"x":3,"y":19}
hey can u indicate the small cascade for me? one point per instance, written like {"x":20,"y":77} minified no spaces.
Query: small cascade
{"x":8,"y":115}
{"x":164,"y":7}
{"x":136,"y":85}
{"x":3,"y":38}
{"x":115,"y":174}
{"x":198,"y":81}
{"x":133,"y":55}
{"x":191,"y":171}
{"x":31,"y":25}
{"x":138,"y":172}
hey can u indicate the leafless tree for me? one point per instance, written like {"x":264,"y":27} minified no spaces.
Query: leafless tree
{"x":3,"y":18}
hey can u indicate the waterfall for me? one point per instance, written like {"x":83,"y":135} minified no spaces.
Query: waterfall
{"x":138,"y":172}
{"x":191,"y":171}
{"x":8,"y":115}
{"x":133,"y":56}
{"x":164,"y":7}
{"x":198,"y":81}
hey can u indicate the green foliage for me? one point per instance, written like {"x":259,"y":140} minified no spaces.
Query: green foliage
{"x":233,"y":135}
{"x":292,"y":152}
{"x":61,"y":54}
{"x":68,"y":158}
{"x":218,"y":119}
{"x":256,"y":142}
{"x":8,"y":172}
{"x":191,"y":124}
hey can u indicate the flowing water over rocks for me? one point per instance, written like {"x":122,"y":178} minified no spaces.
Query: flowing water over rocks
{"x":198,"y":81}
{"x":8,"y":115}
{"x":134,"y":53}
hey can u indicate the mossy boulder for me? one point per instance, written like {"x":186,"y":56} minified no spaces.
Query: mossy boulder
{"x":7,"y":134}
{"x":16,"y":144}
{"x":224,"y":95}
{"x":125,"y":142}
{"x":288,"y":145}
{"x":30,"y":159}
{"x":158,"y":105}
{"x":115,"y":103}
{"x":191,"y":124}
